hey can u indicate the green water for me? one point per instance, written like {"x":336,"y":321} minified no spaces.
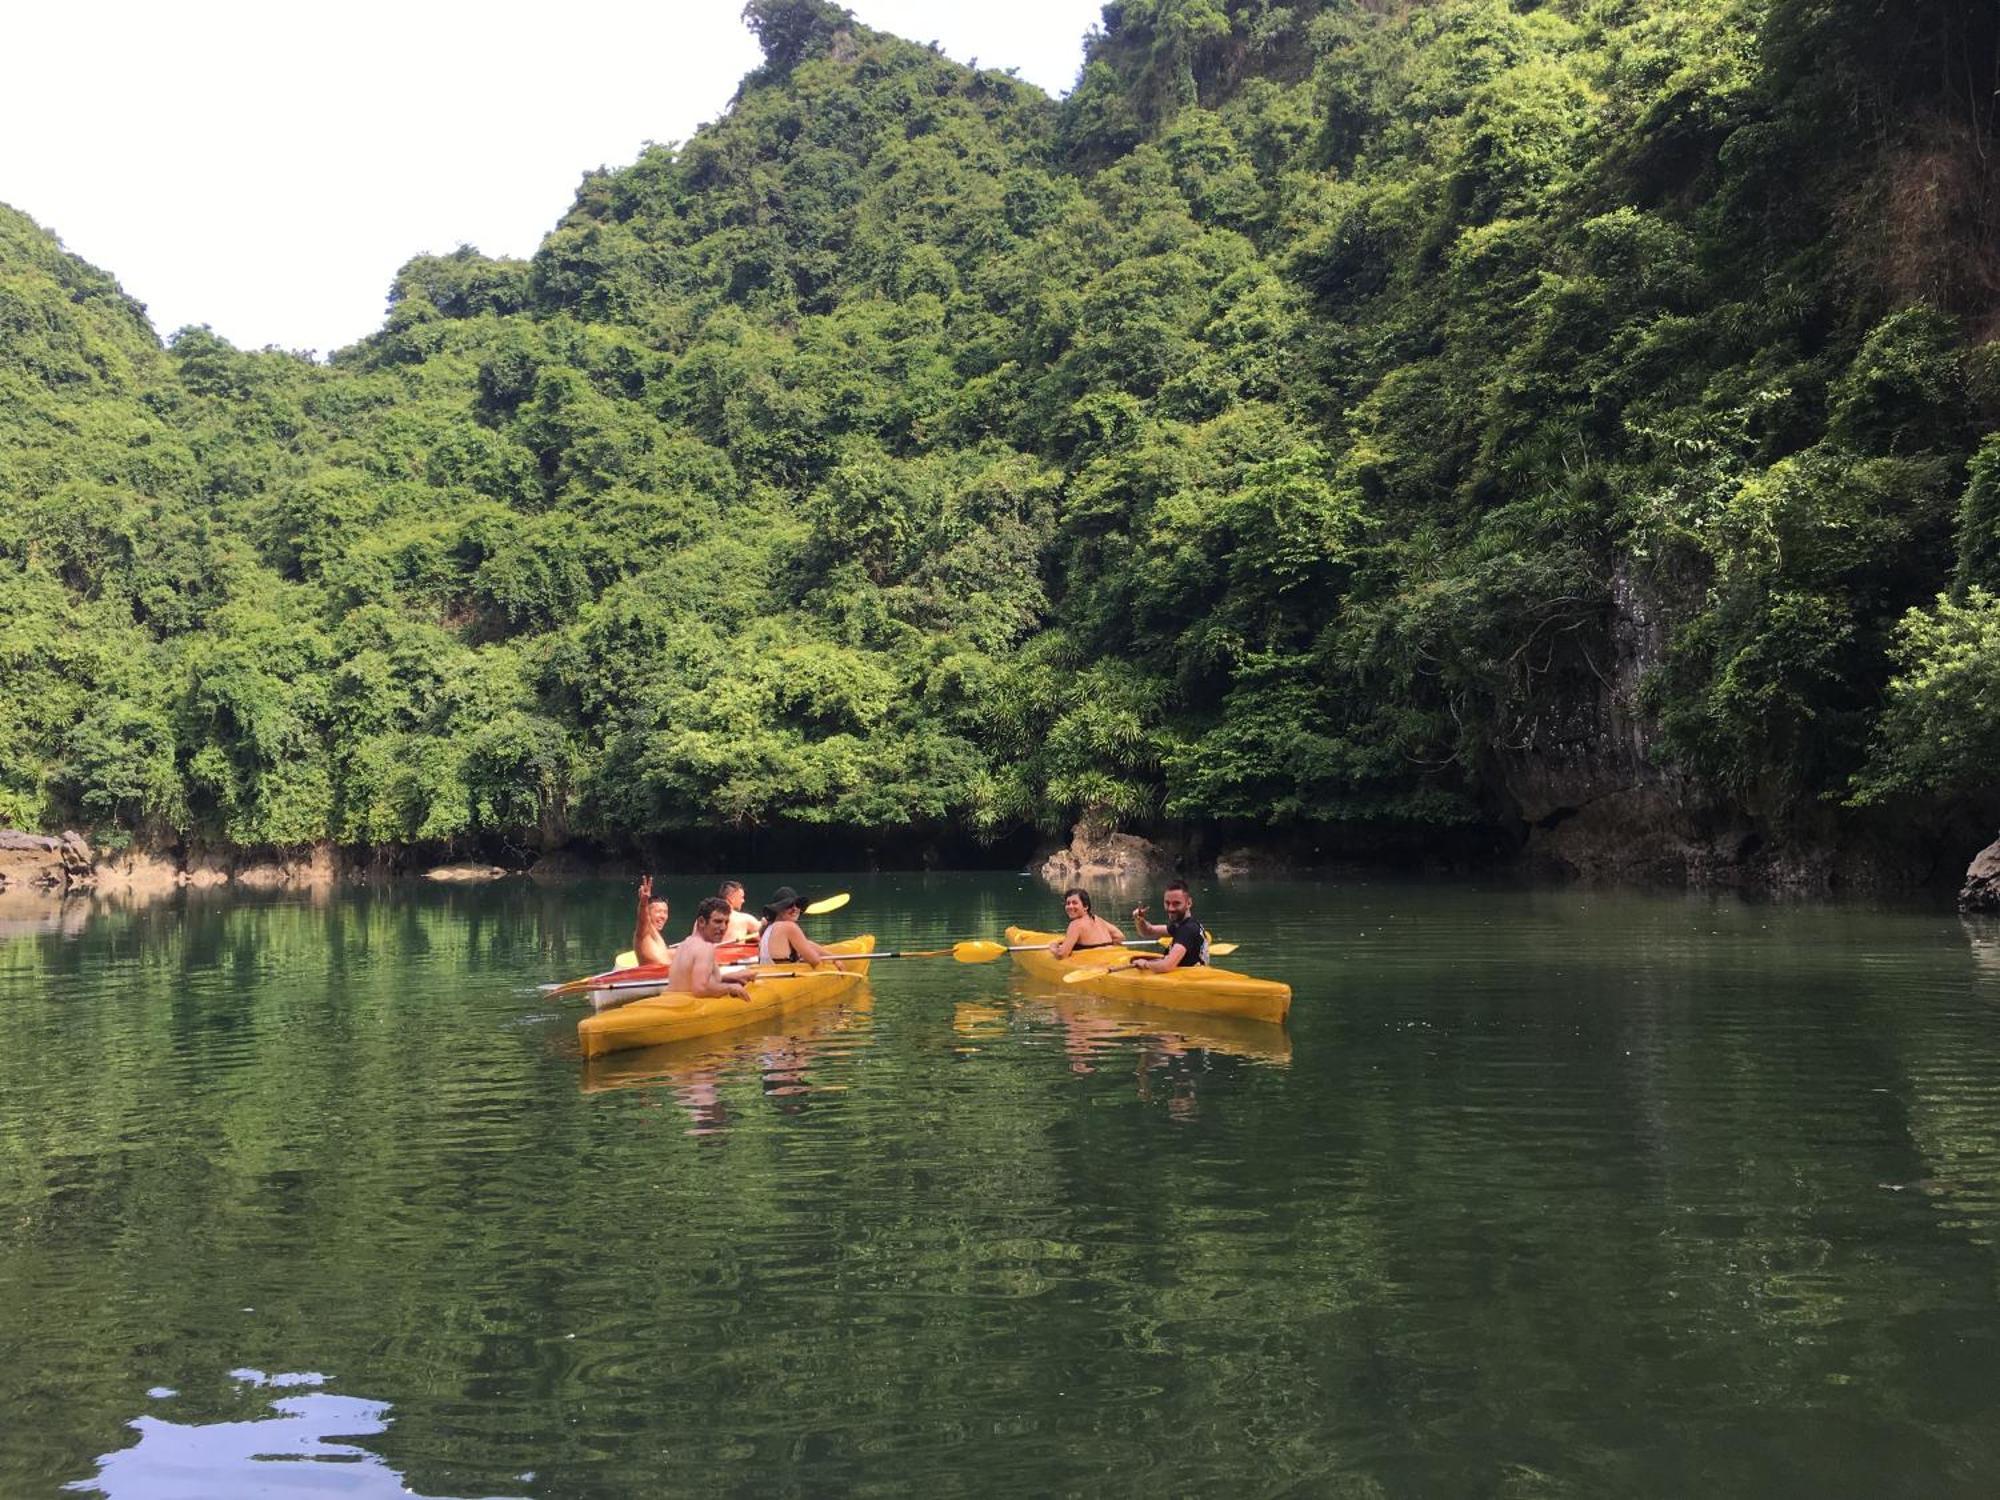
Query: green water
{"x":1538,"y":1193}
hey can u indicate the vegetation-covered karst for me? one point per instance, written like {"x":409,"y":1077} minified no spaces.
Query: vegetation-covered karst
{"x":1333,"y":416}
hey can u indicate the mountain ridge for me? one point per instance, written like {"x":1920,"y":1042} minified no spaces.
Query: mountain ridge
{"x":1384,"y":427}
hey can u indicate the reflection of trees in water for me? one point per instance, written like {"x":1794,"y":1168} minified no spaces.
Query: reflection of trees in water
{"x":1484,"y":1200}
{"x":319,"y":936}
{"x":214,"y":1103}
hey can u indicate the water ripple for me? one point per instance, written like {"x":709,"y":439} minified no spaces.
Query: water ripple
{"x":1537,"y":1192}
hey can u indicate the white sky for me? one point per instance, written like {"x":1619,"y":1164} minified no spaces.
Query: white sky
{"x":264,"y":167}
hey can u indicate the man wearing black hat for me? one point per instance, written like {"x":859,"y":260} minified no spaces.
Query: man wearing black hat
{"x":784,"y":941}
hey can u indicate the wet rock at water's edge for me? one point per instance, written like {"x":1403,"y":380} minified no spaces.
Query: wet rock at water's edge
{"x":1096,"y":852}
{"x":467,"y":874}
{"x":136,"y":872}
{"x":31,"y":859}
{"x":310,"y":868}
{"x":76,"y":855}
{"x":1981,"y":892}
{"x":566,"y":864}
{"x":1247,"y":861}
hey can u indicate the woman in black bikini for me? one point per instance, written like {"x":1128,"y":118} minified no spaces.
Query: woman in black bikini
{"x":1086,"y":928}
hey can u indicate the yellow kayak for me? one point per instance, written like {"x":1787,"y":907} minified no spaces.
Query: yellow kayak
{"x":1204,"y":988}
{"x":670,"y":1017}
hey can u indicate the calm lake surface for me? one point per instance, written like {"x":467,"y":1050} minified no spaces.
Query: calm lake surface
{"x":1539,"y":1193}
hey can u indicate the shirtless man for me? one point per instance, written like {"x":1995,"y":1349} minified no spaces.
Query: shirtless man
{"x":743,"y":925}
{"x":1086,"y":928}
{"x":694,"y":971}
{"x":648,"y":941}
{"x":784,"y":941}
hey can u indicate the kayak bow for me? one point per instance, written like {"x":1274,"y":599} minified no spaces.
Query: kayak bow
{"x":1198,"y":987}
{"x":669,"y":1017}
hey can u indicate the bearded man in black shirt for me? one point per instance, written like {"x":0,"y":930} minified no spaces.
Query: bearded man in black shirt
{"x":1187,"y":940}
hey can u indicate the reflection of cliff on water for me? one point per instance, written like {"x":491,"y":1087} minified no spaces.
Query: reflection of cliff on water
{"x":1983,"y":933}
{"x":781,"y":1054}
{"x":26,"y":913}
{"x":287,"y":1446}
{"x":1951,"y":1101}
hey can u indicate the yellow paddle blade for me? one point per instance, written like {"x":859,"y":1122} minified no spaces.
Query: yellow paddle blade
{"x":626,"y":960}
{"x":1095,"y":971}
{"x":978,"y":951}
{"x":826,"y":904}
{"x":1214,"y":949}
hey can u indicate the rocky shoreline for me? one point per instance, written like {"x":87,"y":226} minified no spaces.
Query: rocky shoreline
{"x":1981,"y":891}
{"x":44,"y":861}
{"x":1622,"y":840}
{"x":58,"y":864}
{"x":1614,"y":842}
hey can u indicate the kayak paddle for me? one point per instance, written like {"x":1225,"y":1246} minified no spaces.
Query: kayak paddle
{"x":628,"y":959}
{"x":971,"y":951}
{"x":627,"y":974}
{"x":979,"y":951}
{"x":984,"y":951}
{"x":894,"y":953}
{"x":1095,"y":971}
{"x":1098,"y":971}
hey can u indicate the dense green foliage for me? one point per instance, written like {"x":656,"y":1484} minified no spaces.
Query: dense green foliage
{"x":1275,"y":432}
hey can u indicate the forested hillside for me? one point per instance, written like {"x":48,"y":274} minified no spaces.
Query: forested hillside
{"x":1350,"y":421}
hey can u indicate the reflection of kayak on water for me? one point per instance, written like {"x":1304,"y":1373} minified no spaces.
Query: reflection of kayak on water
{"x":1107,"y":1022}
{"x":1202,"y":987}
{"x":775,"y":989}
{"x":700,"y":1061}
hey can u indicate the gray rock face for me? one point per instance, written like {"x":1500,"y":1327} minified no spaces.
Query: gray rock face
{"x":1247,"y":861}
{"x":31,"y":867}
{"x":32,"y":860}
{"x":1096,"y":853}
{"x":76,"y":852}
{"x":561,"y":864}
{"x":1981,"y":892}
